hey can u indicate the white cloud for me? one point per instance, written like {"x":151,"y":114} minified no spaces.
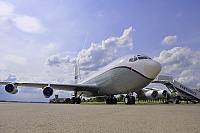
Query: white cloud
{"x":2,"y":65}
{"x":169,"y":40}
{"x":97,"y":55}
{"x":6,"y":9}
{"x":6,"y":12}
{"x":182,"y":63}
{"x":10,"y":78}
{"x":16,"y":59}
{"x":25,"y":23}
{"x":56,"y":60}
{"x":50,"y":47}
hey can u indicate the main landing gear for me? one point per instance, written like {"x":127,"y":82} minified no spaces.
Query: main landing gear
{"x":111,"y":100}
{"x":76,"y":99}
{"x":129,"y":99}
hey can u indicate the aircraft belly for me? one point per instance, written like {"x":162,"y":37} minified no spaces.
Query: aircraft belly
{"x":123,"y":81}
{"x":130,"y":81}
{"x":127,"y":81}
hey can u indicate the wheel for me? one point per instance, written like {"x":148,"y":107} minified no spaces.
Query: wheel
{"x":177,"y":101}
{"x":114,"y":101}
{"x":78,"y":100}
{"x":132,"y":100}
{"x":127,"y":100}
{"x":108,"y":101}
{"x":73,"y":100}
{"x":68,"y":100}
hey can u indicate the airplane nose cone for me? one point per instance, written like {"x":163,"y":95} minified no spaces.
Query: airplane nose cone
{"x":152,"y":68}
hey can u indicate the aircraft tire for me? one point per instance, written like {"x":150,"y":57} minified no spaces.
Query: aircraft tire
{"x":111,"y":101}
{"x":132,"y":100}
{"x":178,"y":99}
{"x":78,"y":100}
{"x":107,"y":100}
{"x":114,"y":101}
{"x":127,"y":100}
{"x":177,"y":102}
{"x":73,"y":100}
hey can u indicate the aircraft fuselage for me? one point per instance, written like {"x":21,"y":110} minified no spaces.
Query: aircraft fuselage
{"x":123,"y":76}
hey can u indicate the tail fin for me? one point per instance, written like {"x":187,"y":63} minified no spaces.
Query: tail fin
{"x":77,"y":68}
{"x":77,"y":73}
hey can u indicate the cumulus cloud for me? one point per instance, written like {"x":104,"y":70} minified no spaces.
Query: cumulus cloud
{"x":183,"y":63}
{"x":50,"y":47}
{"x":56,"y":60}
{"x":169,"y":40}
{"x":10,"y":78}
{"x":6,"y":9}
{"x":16,"y":59}
{"x":97,"y":55}
{"x":25,"y":23}
{"x":2,"y":65}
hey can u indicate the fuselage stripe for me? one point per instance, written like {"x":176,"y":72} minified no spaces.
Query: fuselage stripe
{"x":131,"y":69}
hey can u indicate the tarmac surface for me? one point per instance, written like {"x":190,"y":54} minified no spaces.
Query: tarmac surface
{"x":65,"y":118}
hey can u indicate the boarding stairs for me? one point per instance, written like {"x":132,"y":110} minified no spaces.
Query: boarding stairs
{"x":184,"y":92}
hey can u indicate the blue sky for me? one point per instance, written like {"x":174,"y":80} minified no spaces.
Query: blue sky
{"x":40,"y":39}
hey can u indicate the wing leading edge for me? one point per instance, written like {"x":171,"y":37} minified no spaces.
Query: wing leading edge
{"x":69,"y":87}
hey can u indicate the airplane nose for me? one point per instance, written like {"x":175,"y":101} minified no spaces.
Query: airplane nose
{"x":152,"y":68}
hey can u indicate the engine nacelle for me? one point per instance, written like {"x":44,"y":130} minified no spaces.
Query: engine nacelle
{"x":47,"y":92}
{"x":11,"y":88}
{"x":151,"y":94}
{"x":162,"y":94}
{"x":148,"y":95}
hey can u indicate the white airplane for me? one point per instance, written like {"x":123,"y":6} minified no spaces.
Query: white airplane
{"x":125,"y":75}
{"x":151,"y":93}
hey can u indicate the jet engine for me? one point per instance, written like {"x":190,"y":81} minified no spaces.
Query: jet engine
{"x":162,"y":94}
{"x":47,"y":92}
{"x":11,"y":88}
{"x":150,"y":94}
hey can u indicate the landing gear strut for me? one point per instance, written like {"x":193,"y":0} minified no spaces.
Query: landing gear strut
{"x":76,"y":99}
{"x":129,"y":99}
{"x":111,"y":100}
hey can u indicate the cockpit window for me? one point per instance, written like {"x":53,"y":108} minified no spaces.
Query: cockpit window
{"x":131,"y":60}
{"x":142,"y":57}
{"x":138,"y":57}
{"x":135,"y":58}
{"x":149,"y":58}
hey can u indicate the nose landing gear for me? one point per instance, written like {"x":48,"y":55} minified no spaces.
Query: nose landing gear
{"x":76,"y":99}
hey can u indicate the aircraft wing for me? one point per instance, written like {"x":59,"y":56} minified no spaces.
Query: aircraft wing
{"x":69,"y":87}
